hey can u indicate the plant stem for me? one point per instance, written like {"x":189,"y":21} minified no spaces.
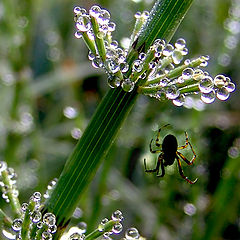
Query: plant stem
{"x":82,"y":164}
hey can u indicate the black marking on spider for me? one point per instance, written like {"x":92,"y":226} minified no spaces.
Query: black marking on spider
{"x":168,"y":153}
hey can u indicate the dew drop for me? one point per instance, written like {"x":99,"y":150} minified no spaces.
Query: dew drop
{"x":77,"y":236}
{"x":152,"y":65}
{"x":83,"y":23}
{"x":127,"y":85}
{"x":39,"y":225}
{"x":97,"y":62}
{"x":52,"y":229}
{"x":222,"y":93}
{"x":17,"y":224}
{"x":82,"y":227}
{"x":145,"y":14}
{"x":180,"y":43}
{"x":177,"y":56}
{"x":208,"y":97}
{"x":124,"y":67}
{"x":91,"y":56}
{"x":137,"y":15}
{"x":206,"y":85}
{"x":70,"y":112}
{"x":36,"y":197}
{"x":111,"y":27}
{"x":184,"y":51}
{"x":78,"y":10}
{"x":46,"y":236}
{"x":117,"y":228}
{"x":179,"y":101}
{"x":230,"y":87}
{"x":36,"y":216}
{"x":113,"y":66}
{"x":172,"y":92}
{"x":113,"y":82}
{"x":190,"y":209}
{"x":132,"y":233}
{"x":164,"y":82}
{"x":167,"y":51}
{"x":142,"y":56}
{"x":78,"y":34}
{"x":95,"y":11}
{"x":187,"y":73}
{"x":220,"y":80}
{"x":24,"y":207}
{"x":137,"y":66}
{"x":49,"y":219}
{"x":3,"y":166}
{"x":117,"y":215}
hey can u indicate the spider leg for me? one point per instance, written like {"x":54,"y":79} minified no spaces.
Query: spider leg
{"x":156,"y":169}
{"x":185,"y":159}
{"x":182,"y":174}
{"x":158,"y":135}
{"x":154,"y":151}
{"x":186,"y":142}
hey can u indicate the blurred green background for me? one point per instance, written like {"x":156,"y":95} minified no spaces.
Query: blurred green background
{"x":49,"y":91}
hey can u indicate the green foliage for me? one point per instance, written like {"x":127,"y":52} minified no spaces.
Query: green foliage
{"x":49,"y":93}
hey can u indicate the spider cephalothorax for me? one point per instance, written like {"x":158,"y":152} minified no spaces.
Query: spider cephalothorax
{"x":168,"y":153}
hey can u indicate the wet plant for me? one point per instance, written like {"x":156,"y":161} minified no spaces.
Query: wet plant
{"x":151,"y":66}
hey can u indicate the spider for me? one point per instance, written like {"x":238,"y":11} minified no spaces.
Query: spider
{"x":169,"y":153}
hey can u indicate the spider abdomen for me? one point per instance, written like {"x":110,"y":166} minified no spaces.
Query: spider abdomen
{"x":169,"y":149}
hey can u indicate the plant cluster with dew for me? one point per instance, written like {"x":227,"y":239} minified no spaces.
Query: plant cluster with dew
{"x":31,"y":223}
{"x":160,"y":71}
{"x":150,"y":65}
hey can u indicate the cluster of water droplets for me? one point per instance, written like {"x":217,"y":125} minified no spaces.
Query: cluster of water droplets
{"x":171,"y":79}
{"x":232,"y":37}
{"x":44,"y":224}
{"x":113,"y":58}
{"x":8,"y":183}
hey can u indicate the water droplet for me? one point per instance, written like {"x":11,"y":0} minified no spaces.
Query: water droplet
{"x":137,"y":15}
{"x":132,"y":233}
{"x":197,"y":74}
{"x":179,"y":101}
{"x":39,"y":225}
{"x":124,"y":67}
{"x":137,"y":66}
{"x":52,"y":229}
{"x":111,"y":27}
{"x":190,"y":209}
{"x":145,"y":14}
{"x":106,"y":236}
{"x":77,"y":236}
{"x":17,"y":224}
{"x":152,"y":65}
{"x":117,"y":215}
{"x":91,"y":56}
{"x":70,"y":112}
{"x":113,"y":82}
{"x":49,"y":219}
{"x":82,"y":227}
{"x":233,"y":152}
{"x":180,"y":43}
{"x":113,"y":66}
{"x":3,"y":166}
{"x":164,"y":82}
{"x":36,"y":216}
{"x":220,"y":80}
{"x":104,"y":17}
{"x":142,"y":56}
{"x":78,"y":10}
{"x":172,"y":92}
{"x":78,"y":34}
{"x":230,"y":87}
{"x":104,"y":221}
{"x":46,"y":236}
{"x":187,"y":73}
{"x":117,"y":228}
{"x":184,"y":51}
{"x":208,"y":97}
{"x":95,"y":11}
{"x":222,"y":93}
{"x":127,"y":85}
{"x":167,"y":51}
{"x":206,"y":85}
{"x":83,"y":23}
{"x":97,"y":62}
{"x":24,"y":207}
{"x":177,"y":56}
